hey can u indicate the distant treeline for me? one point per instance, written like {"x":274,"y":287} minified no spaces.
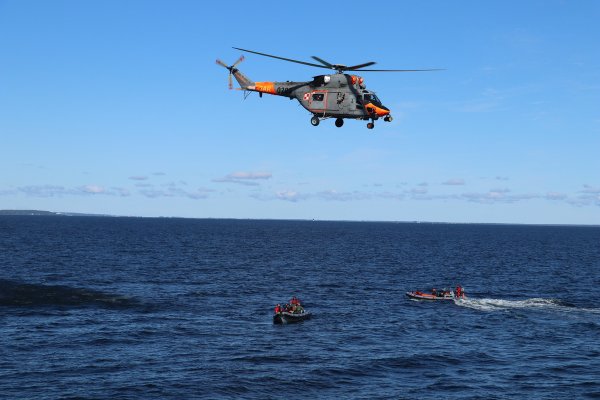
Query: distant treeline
{"x":40,"y":212}
{"x":27,"y":212}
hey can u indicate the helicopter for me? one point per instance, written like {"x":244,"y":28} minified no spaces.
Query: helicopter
{"x":338,"y":95}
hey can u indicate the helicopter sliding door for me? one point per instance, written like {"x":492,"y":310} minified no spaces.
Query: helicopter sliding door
{"x":318,"y":101}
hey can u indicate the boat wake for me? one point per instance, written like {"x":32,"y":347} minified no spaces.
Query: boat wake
{"x":533,"y":303}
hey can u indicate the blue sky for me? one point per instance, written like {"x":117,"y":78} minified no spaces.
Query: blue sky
{"x":118,"y":107}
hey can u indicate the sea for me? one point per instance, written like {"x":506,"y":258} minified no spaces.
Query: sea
{"x":166,"y":308}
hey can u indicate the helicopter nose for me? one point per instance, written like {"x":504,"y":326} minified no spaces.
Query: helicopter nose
{"x":379,"y":111}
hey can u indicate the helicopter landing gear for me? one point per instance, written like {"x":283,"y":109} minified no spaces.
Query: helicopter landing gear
{"x":370,"y":125}
{"x":388,"y":118}
{"x":339,"y":122}
{"x":314,"y":120}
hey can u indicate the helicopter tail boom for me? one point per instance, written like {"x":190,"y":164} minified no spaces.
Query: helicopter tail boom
{"x":242,"y":79}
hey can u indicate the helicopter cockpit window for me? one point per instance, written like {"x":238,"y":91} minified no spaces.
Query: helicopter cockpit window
{"x":318,"y":97}
{"x":371,"y":98}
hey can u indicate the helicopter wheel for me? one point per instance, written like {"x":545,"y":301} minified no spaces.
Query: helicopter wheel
{"x":314,"y":121}
{"x":370,"y":125}
{"x":339,"y":122}
{"x":388,"y":118}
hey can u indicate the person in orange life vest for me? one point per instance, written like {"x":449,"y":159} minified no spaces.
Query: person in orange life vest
{"x":277,"y":308}
{"x":294,"y":301}
{"x":458,"y":292}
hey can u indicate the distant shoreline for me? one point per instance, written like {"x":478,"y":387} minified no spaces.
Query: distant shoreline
{"x":50,"y":213}
{"x":42,"y":213}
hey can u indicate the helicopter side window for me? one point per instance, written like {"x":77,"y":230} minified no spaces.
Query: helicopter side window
{"x":318,"y":97}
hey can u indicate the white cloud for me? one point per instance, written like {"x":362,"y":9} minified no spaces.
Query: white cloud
{"x":92,"y":189}
{"x":138,"y":178}
{"x":500,"y":196}
{"x":289,"y":195}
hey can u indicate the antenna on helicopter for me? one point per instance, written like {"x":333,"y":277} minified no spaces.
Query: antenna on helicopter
{"x":232,"y":69}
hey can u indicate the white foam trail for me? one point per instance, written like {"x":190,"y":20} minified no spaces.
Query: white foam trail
{"x":533,"y":303}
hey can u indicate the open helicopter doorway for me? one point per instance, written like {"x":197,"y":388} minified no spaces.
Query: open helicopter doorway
{"x":318,"y":101}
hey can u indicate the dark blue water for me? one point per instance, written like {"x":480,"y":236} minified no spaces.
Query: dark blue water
{"x":135,"y":308}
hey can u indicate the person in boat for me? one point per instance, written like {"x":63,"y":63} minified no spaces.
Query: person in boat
{"x":459,"y":292}
{"x":434,"y":291}
{"x":295,"y":301}
{"x":278,"y":309}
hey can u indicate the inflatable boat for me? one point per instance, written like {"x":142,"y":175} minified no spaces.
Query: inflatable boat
{"x":436,"y":295}
{"x":286,"y":317}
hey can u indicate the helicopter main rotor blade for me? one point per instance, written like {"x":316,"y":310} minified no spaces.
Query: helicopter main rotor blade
{"x":355,"y":67}
{"x":230,"y":82}
{"x":325,"y":63}
{"x":283,"y":58}
{"x":338,"y":67}
{"x":221,"y":63}
{"x":400,"y":70}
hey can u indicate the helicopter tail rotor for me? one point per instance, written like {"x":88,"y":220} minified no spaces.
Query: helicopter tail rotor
{"x":232,"y":69}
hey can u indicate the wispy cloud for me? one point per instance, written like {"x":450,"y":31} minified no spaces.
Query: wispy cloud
{"x":591,"y":189}
{"x":334,"y":195}
{"x":289,"y":195}
{"x":138,"y":178}
{"x":556,"y":196}
{"x":421,"y":193}
{"x":454,"y":182}
{"x":59,"y":191}
{"x":200,"y":193}
{"x":498,"y":196}
{"x":244,"y":178}
{"x":46,"y":190}
{"x":589,"y":195}
{"x":419,"y":190}
{"x":92,"y":189}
